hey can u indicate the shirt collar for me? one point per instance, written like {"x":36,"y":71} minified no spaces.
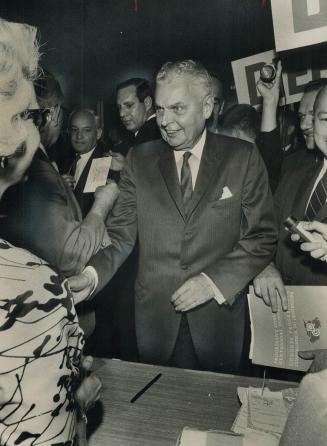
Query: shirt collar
{"x":148,"y":119}
{"x":87,"y":155}
{"x":41,"y":146}
{"x":151,"y":116}
{"x":196,"y":150}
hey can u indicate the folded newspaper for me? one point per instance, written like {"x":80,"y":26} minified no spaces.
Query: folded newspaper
{"x":278,"y":337}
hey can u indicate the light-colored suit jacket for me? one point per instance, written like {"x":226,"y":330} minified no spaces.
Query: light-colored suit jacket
{"x":231,"y":240}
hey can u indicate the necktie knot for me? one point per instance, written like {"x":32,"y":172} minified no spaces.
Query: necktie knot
{"x":187,"y":156}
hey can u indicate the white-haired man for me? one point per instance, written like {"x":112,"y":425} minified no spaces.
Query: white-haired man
{"x":202,"y":209}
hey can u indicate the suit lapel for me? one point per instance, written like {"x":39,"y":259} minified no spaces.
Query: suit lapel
{"x":308,"y":179}
{"x":168,"y":169}
{"x":208,"y":169}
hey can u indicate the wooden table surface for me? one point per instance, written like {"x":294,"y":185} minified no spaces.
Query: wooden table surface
{"x":179,"y":398}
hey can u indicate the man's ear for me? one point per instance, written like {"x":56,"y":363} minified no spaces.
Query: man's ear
{"x":99,"y":134}
{"x":208,"y":103}
{"x":148,"y":103}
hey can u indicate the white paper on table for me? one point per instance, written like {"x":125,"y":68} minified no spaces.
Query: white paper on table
{"x":98,"y":173}
{"x":194,"y":437}
{"x":266,"y":412}
{"x":256,"y":438}
{"x":241,"y":421}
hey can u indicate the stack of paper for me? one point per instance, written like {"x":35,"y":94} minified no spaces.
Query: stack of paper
{"x":265,"y":411}
{"x":260,"y":421}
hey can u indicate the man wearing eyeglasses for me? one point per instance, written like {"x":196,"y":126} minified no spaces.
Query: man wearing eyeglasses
{"x":42,"y":214}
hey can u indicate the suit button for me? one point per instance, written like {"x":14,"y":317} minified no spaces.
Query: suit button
{"x":183,"y":266}
{"x":188,"y":234}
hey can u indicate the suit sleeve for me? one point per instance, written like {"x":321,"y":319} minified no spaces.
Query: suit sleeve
{"x":122,"y":228}
{"x":258,"y":234}
{"x":52,"y":231}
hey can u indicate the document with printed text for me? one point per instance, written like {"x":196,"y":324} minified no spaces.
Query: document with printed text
{"x":278,"y":337}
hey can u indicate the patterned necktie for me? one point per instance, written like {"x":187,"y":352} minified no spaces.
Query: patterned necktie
{"x":186,"y":179}
{"x":318,"y":199}
{"x":74,"y":164}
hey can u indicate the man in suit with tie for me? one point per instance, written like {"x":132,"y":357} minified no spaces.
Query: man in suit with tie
{"x":202,"y":209}
{"x":134,"y":100}
{"x":43,"y":215}
{"x":301,"y":194}
{"x":85,"y":136}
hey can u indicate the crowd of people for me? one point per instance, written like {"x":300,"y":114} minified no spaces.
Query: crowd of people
{"x":158,"y":260}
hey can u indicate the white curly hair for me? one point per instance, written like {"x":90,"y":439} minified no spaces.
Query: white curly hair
{"x":182,"y":68}
{"x":19,"y":56}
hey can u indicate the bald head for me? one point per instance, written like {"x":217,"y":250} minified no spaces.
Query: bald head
{"x":84,"y":130}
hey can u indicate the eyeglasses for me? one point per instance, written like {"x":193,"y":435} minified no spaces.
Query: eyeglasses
{"x":40,"y":116}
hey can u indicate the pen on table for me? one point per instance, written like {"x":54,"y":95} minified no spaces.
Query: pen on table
{"x":145,"y":388}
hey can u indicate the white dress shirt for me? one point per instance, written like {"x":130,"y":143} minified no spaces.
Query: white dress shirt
{"x":81,"y":163}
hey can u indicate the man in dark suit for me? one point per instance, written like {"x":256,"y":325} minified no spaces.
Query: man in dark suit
{"x":85,"y":137}
{"x":42,"y":213}
{"x":135,"y":105}
{"x":202,"y":209}
{"x":213,"y":123}
{"x":300,"y":179}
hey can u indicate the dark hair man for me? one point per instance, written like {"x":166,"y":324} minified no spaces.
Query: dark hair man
{"x":134,"y":99}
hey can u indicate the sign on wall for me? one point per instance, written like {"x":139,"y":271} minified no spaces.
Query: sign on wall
{"x":246,"y":73}
{"x":299,"y":23}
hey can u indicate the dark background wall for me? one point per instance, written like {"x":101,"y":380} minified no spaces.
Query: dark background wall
{"x":90,"y":45}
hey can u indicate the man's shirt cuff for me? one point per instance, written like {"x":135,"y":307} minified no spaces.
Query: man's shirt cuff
{"x":217,"y":294}
{"x":94,"y":274}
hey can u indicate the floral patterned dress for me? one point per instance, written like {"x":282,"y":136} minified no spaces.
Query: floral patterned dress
{"x":40,"y":349}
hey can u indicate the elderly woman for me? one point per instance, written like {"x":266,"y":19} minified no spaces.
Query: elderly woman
{"x":40,"y":338}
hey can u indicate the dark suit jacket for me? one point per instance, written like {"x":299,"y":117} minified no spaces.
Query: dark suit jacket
{"x":44,"y":217}
{"x":86,"y":200}
{"x":231,"y":240}
{"x":292,"y":194}
{"x":148,"y":132}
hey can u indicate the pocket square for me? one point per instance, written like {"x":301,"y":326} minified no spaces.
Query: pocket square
{"x":226,"y":193}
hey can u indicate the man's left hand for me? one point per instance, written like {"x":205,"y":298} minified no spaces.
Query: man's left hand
{"x":192,"y":293}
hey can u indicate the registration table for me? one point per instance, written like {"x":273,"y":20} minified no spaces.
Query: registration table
{"x":201,"y":400}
